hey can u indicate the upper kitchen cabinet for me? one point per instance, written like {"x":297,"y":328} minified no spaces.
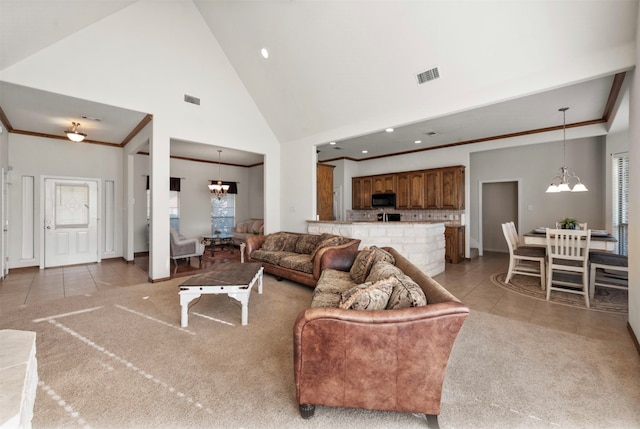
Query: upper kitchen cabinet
{"x":385,"y":184}
{"x":410,"y":190}
{"x":444,"y":188}
{"x":361,"y":190}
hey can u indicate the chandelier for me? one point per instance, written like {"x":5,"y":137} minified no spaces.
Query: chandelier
{"x":73,"y":134}
{"x":560,"y":183}
{"x":218,"y":189}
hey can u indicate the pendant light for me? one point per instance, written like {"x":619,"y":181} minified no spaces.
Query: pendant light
{"x":218,"y":189}
{"x":560,"y":183}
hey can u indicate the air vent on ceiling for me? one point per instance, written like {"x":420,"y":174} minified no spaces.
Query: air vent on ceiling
{"x":191,"y":99}
{"x":91,"y":118}
{"x":428,"y":75}
{"x":431,"y":133}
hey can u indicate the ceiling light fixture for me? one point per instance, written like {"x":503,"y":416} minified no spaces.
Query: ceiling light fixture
{"x":218,"y":189}
{"x":566,"y":174}
{"x":418,"y":141}
{"x":389,"y":130}
{"x":73,"y":134}
{"x":265,"y":53}
{"x":332,"y":143}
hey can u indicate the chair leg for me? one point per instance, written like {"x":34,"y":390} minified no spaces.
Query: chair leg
{"x":585,"y":288}
{"x":510,"y":272}
{"x":592,"y":281}
{"x":542,"y":276}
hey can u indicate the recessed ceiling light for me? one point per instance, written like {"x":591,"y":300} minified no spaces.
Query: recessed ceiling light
{"x":418,"y":141}
{"x":389,"y":130}
{"x":365,"y":151}
{"x":265,"y":53}
{"x":332,"y":143}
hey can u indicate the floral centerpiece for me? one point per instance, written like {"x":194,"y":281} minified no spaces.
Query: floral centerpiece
{"x":569,"y":223}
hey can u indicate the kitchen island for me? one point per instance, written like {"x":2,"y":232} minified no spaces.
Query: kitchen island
{"x":421,"y":242}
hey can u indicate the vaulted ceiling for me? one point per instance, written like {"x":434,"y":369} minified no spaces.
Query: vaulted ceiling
{"x":344,"y":71}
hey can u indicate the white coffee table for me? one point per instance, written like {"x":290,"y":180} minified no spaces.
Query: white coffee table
{"x":233,"y":279}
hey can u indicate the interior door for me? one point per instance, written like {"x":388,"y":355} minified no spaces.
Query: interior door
{"x":4,"y":266}
{"x":70,"y":222}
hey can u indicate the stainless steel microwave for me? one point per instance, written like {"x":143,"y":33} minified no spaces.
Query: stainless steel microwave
{"x":383,"y":200}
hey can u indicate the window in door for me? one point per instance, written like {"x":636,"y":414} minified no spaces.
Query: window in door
{"x":223,"y":214}
{"x":621,"y":201}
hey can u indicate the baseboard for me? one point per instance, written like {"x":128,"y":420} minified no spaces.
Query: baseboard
{"x":633,"y":337}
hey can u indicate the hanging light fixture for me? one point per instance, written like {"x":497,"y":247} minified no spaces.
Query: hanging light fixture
{"x":73,"y":134}
{"x":560,"y":183}
{"x":218,"y":189}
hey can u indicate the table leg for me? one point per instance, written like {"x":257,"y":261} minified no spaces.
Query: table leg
{"x":186,"y":296}
{"x":260,"y":280}
{"x":243,"y":298}
{"x":242,"y":246}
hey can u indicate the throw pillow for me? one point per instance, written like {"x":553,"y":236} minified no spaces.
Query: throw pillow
{"x":382,"y":270}
{"x":335,"y":240}
{"x":406,"y":293}
{"x":241,"y":227}
{"x":361,"y":265}
{"x":381,"y":255}
{"x":275,"y":242}
{"x":306,"y":243}
{"x":368,"y":296}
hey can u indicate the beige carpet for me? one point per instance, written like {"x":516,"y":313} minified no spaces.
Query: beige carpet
{"x":119,"y":359}
{"x":604,"y":299}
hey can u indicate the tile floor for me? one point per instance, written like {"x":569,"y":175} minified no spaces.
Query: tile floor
{"x":469,"y":281}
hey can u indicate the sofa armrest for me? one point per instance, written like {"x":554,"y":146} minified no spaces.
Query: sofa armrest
{"x":254,"y":242}
{"x":339,"y":257}
{"x":385,"y":359}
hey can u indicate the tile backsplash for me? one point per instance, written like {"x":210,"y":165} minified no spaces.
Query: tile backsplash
{"x":450,"y":216}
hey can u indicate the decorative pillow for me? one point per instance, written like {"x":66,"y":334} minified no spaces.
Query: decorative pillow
{"x":241,"y":227}
{"x":334,"y":240}
{"x":290,"y":243}
{"x":382,"y":270}
{"x":381,"y":255}
{"x":368,"y":296}
{"x":276,"y":242}
{"x":306,"y":243}
{"x":255,"y":225}
{"x":362,"y":265}
{"x":406,"y":293}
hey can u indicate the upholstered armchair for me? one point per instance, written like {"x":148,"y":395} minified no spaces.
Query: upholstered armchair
{"x":182,"y":247}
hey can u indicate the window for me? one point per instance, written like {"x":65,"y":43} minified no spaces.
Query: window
{"x":621,"y":201}
{"x":223,"y":214}
{"x":174,"y":209}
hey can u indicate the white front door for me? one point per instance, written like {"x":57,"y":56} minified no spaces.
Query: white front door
{"x":70,"y":222}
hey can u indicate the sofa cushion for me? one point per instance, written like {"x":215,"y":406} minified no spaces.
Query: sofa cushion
{"x":256,"y":226}
{"x":268,"y":256}
{"x":280,"y":241}
{"x":297,"y":261}
{"x":382,"y":270}
{"x":368,"y":296}
{"x":331,"y":240}
{"x":331,"y":285}
{"x":406,"y":293}
{"x":307,"y":243}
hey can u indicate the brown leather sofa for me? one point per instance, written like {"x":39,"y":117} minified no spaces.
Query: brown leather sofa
{"x":391,"y":360}
{"x":301,"y":257}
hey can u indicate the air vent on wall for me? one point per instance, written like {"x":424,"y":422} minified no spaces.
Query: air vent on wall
{"x":191,"y":99}
{"x":428,"y":75}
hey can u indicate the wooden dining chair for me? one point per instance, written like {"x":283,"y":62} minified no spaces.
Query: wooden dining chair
{"x":568,"y":262}
{"x":608,"y":270}
{"x":524,"y":260}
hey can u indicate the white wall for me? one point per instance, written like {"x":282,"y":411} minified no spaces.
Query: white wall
{"x":131,"y":59}
{"x":37,"y":156}
{"x":4,"y":167}
{"x":634,"y":197}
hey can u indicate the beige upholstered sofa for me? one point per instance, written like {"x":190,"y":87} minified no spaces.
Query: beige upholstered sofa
{"x":377,"y":337}
{"x":244,"y":229}
{"x":301,"y":257}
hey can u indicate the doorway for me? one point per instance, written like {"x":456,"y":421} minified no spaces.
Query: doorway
{"x":70,"y":222}
{"x":499,"y":205}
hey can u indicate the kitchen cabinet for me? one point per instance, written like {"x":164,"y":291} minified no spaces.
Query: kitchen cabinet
{"x":444,"y":188}
{"x":324,"y":191}
{"x":454,"y":243}
{"x":385,"y":184}
{"x":435,"y":188}
{"x":361,"y":190}
{"x":410,"y":190}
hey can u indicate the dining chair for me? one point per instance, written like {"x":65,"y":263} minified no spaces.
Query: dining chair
{"x":568,"y":261}
{"x":607,"y":270}
{"x":524,"y":260}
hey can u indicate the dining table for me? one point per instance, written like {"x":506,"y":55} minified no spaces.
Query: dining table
{"x":600,"y":239}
